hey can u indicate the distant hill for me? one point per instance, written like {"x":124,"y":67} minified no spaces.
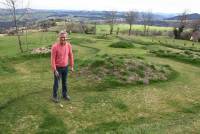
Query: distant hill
{"x":35,"y":15}
{"x":90,"y":15}
{"x":194,"y":16}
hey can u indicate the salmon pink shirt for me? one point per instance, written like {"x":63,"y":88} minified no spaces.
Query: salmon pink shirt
{"x":61,"y":55}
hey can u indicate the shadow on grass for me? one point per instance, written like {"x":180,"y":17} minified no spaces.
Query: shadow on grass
{"x":52,"y":124}
{"x":13,"y":100}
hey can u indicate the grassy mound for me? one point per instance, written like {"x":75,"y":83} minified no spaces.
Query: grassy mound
{"x":124,"y":70}
{"x":122,"y":44}
{"x":162,"y":43}
{"x":187,"y":56}
{"x":104,"y":37}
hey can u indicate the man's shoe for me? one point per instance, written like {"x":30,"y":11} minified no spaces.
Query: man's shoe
{"x":66,"y":98}
{"x":55,"y":100}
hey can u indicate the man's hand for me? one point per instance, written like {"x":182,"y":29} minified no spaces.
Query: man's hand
{"x":72,"y":69}
{"x":57,"y":74}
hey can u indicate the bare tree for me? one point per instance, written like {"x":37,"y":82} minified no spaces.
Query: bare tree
{"x":147,"y":19}
{"x":68,"y":25}
{"x":117,"y":32}
{"x":195,"y":25}
{"x":182,"y":22}
{"x":28,"y":25}
{"x":131,"y":17}
{"x":111,"y":19}
{"x":95,"y":27}
{"x":65,"y":24}
{"x":183,"y":19}
{"x":83,"y":26}
{"x":11,"y":5}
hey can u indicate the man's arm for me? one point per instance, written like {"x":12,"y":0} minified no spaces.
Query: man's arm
{"x":53,"y":57}
{"x":71,"y":57}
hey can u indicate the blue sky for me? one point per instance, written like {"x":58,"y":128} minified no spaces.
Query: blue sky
{"x":167,"y":6}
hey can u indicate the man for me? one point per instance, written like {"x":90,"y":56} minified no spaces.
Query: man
{"x":61,"y":56}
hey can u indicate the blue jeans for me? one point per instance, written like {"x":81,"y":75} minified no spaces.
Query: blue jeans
{"x":63,"y":72}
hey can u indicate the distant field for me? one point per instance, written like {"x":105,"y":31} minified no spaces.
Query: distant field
{"x":105,"y":28}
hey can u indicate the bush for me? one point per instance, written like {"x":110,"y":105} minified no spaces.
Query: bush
{"x":186,"y":35}
{"x":122,"y":44}
{"x":97,"y":63}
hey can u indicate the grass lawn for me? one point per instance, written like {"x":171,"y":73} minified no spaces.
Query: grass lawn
{"x":9,"y":46}
{"x":26,"y":86}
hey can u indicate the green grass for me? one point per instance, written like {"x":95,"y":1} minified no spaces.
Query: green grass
{"x":122,"y":44}
{"x":162,"y":107}
{"x":52,"y":125}
{"x":9,"y":45}
{"x":186,"y":56}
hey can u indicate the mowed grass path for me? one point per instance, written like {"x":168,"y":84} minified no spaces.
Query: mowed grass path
{"x":167,"y":107}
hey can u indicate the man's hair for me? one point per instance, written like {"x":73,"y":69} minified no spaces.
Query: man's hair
{"x":62,"y":32}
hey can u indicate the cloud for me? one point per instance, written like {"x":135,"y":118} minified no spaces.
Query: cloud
{"x":169,"y":6}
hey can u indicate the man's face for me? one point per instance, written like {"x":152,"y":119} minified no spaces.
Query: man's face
{"x":62,"y":38}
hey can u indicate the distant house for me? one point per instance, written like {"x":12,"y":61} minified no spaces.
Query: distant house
{"x":12,"y":31}
{"x":195,"y":36}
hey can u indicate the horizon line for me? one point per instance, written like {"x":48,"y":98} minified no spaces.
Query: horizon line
{"x":91,"y":10}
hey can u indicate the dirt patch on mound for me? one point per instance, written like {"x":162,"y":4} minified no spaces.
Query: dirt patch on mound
{"x":41,"y":50}
{"x":124,"y":70}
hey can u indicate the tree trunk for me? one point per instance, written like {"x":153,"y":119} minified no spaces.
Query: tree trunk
{"x":95,"y":28}
{"x":129,"y":33}
{"x":26,"y":38}
{"x":111,"y":29}
{"x":147,"y":31}
{"x":19,"y":42}
{"x":17,"y":29}
{"x":145,"y":28}
{"x":117,"y":33}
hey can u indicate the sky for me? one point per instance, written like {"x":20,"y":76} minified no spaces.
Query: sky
{"x":165,"y":6}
